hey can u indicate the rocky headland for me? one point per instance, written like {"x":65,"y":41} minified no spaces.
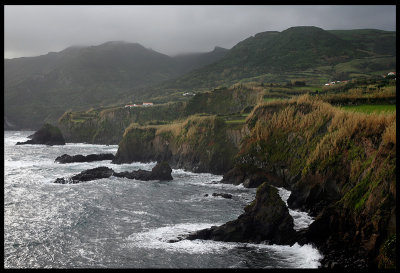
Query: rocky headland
{"x":340,"y":167}
{"x":198,"y":144}
{"x":47,"y":135}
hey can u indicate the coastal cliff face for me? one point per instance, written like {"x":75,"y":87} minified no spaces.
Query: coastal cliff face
{"x":199,"y":144}
{"x":340,"y":166}
{"x":107,"y":126}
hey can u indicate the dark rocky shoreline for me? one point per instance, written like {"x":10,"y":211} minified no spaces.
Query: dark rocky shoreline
{"x":47,"y":135}
{"x":65,"y":158}
{"x":162,"y":171}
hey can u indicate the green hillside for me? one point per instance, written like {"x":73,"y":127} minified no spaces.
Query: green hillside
{"x":373,"y":40}
{"x":311,"y":51}
{"x":42,"y":88}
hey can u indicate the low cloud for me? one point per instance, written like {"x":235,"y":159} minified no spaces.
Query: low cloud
{"x":37,"y":30}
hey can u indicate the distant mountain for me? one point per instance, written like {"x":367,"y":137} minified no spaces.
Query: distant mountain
{"x":294,"y":49}
{"x":42,"y":88}
{"x":191,"y":61}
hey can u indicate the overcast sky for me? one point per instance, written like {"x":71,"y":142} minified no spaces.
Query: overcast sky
{"x":37,"y":30}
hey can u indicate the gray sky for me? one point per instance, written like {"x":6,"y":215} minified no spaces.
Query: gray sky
{"x":37,"y":30}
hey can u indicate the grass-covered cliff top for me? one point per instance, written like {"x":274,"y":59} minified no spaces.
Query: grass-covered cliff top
{"x":200,"y":143}
{"x":332,"y":157}
{"x":310,"y":119}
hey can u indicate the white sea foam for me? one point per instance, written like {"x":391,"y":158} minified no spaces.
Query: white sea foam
{"x":301,"y":219}
{"x":305,"y":256}
{"x":158,"y":238}
{"x":47,"y":209}
{"x":295,"y":256}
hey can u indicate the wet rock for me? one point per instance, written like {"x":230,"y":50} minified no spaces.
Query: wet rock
{"x":162,"y":171}
{"x":61,"y":181}
{"x":47,"y":135}
{"x":81,"y":158}
{"x":87,"y":175}
{"x":250,"y":179}
{"x":266,"y":219}
{"x":224,"y":195}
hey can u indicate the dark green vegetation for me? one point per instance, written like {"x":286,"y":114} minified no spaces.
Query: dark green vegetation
{"x":107,"y":125}
{"x":302,"y":52}
{"x":372,"y":40}
{"x":42,"y":88}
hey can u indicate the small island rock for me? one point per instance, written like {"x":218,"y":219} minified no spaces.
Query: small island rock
{"x":81,"y":158}
{"x":267,"y":219}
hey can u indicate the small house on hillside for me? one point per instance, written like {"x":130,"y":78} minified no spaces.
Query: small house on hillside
{"x":147,"y":104}
{"x":131,"y":105}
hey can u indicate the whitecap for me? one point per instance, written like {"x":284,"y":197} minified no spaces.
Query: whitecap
{"x":301,"y":219}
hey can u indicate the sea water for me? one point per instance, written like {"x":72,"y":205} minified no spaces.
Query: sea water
{"x":123,"y":223}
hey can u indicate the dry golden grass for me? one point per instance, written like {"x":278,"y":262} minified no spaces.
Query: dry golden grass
{"x":343,"y":126}
{"x":389,"y":136}
{"x":177,"y":128}
{"x":347,"y":125}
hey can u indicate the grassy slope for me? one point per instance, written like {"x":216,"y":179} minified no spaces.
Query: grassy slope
{"x":323,"y":145}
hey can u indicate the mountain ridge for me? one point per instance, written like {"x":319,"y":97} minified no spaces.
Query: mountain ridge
{"x":40,"y":89}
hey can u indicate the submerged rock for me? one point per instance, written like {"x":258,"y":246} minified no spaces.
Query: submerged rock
{"x":162,"y":171}
{"x":267,"y":219}
{"x":81,"y":158}
{"x":47,"y":135}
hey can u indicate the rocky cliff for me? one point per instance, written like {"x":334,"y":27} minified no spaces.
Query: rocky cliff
{"x":199,"y":144}
{"x":107,"y":126}
{"x":340,"y":166}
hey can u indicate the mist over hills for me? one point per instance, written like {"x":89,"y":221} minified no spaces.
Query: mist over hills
{"x":40,"y":89}
{"x":294,"y":49}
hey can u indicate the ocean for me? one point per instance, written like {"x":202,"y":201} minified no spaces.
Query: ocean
{"x":123,"y":223}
